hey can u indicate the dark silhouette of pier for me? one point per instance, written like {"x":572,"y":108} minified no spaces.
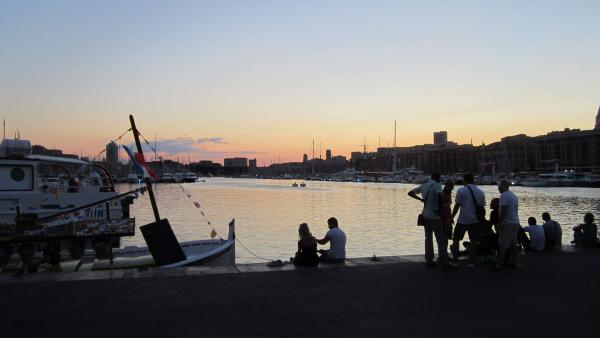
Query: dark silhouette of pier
{"x":552,"y":294}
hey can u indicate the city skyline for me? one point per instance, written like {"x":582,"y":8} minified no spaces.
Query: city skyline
{"x":223,"y":80}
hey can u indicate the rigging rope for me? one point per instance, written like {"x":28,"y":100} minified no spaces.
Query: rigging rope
{"x":146,"y":141}
{"x":213,"y":232}
{"x":115,"y":141}
{"x":102,"y":151}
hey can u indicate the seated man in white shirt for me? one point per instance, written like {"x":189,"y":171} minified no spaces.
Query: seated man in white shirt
{"x":337,"y":247}
{"x":537,"y":239}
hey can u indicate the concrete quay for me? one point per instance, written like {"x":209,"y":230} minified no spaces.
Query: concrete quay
{"x":551,"y":294}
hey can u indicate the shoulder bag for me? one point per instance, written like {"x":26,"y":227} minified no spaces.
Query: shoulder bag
{"x":421,"y":219}
{"x":479,"y":209}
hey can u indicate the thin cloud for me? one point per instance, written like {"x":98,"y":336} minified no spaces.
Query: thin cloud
{"x":196,"y":146}
{"x":215,"y":140}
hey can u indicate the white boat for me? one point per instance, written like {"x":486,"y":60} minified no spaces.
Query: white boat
{"x":179,"y":177}
{"x":556,"y":179}
{"x":211,"y":252}
{"x":168,"y":178}
{"x":190,"y":177}
{"x":47,"y":186}
{"x":534,"y":182}
{"x":133,"y":179}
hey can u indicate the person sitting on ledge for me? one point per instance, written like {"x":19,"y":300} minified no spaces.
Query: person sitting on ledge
{"x":537,"y":239}
{"x":586,"y":234}
{"x":307,"y":248}
{"x":337,"y":246}
{"x":553,"y":232}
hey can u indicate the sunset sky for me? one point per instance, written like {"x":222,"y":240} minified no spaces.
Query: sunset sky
{"x":264,"y":78}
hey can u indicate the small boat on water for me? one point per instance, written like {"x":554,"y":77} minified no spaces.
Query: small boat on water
{"x":179,"y":177}
{"x":190,"y":178}
{"x":133,"y":179}
{"x":294,"y":185}
{"x":302,"y":185}
{"x":210,"y":252}
{"x":167,"y":178}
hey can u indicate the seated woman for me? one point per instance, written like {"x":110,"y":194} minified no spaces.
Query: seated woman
{"x":586,"y":234}
{"x":488,"y":240}
{"x":307,"y":248}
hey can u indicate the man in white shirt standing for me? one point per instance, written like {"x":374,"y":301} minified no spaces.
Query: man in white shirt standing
{"x":431,"y":192}
{"x":468,"y":199}
{"x":337,"y":246}
{"x":508,"y":226}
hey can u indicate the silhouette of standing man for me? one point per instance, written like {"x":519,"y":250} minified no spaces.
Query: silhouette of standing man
{"x":431,"y":194}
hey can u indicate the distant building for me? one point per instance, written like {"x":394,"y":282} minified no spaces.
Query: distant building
{"x":597,"y":127}
{"x":112,"y":153}
{"x":328,"y":155}
{"x":304,"y":158}
{"x":252,"y":163}
{"x":236,"y":162}
{"x":440,"y":137}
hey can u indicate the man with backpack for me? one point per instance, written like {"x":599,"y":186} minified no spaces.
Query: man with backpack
{"x":470,"y":200}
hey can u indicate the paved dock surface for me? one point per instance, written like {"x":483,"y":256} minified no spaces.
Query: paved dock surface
{"x":551,"y":295}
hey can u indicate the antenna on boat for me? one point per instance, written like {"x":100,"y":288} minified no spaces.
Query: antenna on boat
{"x":146,"y":179}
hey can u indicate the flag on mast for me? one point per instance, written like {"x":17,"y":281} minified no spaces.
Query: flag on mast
{"x":140,"y":164}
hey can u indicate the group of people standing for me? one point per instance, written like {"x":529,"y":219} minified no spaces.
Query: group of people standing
{"x":501,"y":234}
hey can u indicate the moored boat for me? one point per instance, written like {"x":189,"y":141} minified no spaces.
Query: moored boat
{"x":190,"y":178}
{"x":211,"y":252}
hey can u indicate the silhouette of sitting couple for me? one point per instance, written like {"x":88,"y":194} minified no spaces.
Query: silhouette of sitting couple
{"x":307,"y":245}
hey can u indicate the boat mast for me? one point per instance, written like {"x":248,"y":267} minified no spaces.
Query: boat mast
{"x":313,"y":158}
{"x":394,"y":166}
{"x":146,"y":179}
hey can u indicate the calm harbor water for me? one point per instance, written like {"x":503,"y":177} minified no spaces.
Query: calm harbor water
{"x":377,"y":218}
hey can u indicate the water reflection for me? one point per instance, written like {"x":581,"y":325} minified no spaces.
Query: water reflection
{"x":377,"y":218}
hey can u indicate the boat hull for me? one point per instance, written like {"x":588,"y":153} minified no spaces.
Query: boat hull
{"x":201,"y":252}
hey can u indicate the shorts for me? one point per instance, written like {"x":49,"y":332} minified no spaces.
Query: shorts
{"x":507,"y":235}
{"x":474,"y":231}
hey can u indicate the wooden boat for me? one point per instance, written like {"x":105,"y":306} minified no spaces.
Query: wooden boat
{"x":211,"y":252}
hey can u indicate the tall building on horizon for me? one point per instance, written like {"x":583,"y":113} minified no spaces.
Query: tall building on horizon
{"x":112,"y":153}
{"x":328,"y":155}
{"x":440,"y":137}
{"x":597,"y":127}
